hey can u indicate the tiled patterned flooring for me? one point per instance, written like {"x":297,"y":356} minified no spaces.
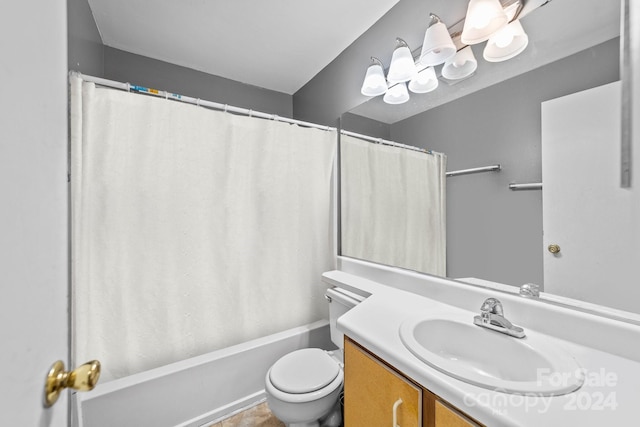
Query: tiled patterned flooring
{"x":258,"y":416}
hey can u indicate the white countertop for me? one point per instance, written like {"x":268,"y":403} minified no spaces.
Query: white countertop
{"x":609,"y":397}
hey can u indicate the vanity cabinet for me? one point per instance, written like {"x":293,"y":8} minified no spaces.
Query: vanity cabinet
{"x":448,"y":417}
{"x":375,"y":394}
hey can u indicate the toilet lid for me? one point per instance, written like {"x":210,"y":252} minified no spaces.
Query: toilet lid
{"x":303,"y":371}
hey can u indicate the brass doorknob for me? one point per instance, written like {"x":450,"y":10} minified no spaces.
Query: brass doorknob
{"x":83,"y":378}
{"x":554,"y":249}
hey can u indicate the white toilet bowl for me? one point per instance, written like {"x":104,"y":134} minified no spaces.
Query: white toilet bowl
{"x":303,"y":389}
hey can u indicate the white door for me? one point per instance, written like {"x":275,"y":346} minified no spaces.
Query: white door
{"x":33,"y":209}
{"x":585,"y":212}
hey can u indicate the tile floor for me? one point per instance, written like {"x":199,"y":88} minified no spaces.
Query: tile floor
{"x":257,"y":416}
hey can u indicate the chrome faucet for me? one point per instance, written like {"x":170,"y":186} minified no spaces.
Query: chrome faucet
{"x":492,"y":317}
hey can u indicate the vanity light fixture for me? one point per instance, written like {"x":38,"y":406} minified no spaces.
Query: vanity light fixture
{"x":425,"y":81}
{"x":374,"y":82}
{"x":494,"y":20}
{"x":462,"y":65}
{"x":506,"y":43}
{"x":438,"y":45}
{"x":402,"y":67}
{"x":396,"y":94}
{"x":483,"y":19}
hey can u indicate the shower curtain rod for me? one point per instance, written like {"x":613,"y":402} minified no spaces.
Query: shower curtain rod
{"x":384,"y":141}
{"x":195,"y":101}
{"x":228,"y":108}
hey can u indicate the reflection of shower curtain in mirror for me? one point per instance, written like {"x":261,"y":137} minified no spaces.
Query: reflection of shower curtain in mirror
{"x":393,"y":205}
{"x":192,"y":229}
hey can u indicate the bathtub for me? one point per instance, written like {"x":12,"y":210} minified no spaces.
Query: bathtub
{"x":197,"y":391}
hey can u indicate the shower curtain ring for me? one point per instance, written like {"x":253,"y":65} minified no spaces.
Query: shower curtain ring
{"x":198,"y":102}
{"x":225,"y":107}
{"x":250,"y":112}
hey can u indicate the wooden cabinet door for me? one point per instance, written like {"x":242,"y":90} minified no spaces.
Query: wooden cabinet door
{"x":371,"y":389}
{"x":446,"y":417}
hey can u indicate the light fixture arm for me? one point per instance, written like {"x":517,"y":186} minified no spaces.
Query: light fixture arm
{"x":516,"y":9}
{"x":434,"y":19}
{"x":376,"y":61}
{"x":401,"y":43}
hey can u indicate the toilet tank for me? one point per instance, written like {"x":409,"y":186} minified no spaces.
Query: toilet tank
{"x":340,"y":301}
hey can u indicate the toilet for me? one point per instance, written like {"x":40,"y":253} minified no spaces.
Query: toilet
{"x":303,"y":387}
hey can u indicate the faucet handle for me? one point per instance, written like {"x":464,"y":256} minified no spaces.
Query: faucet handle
{"x":492,"y":306}
{"x":530,"y":290}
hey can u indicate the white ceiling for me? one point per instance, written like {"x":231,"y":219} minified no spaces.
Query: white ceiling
{"x":274,"y":44}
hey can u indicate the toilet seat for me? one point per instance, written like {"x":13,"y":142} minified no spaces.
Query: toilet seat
{"x":310,"y":383}
{"x":303,"y":371}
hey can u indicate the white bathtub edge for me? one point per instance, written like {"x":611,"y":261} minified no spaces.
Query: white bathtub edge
{"x":191,"y":392}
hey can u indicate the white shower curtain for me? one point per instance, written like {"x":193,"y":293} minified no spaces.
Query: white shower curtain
{"x":393,"y":205}
{"x":192,"y":229}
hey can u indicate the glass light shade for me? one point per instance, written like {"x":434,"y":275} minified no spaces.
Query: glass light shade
{"x":484,"y":18}
{"x":396,"y":94}
{"x":437,"y":46}
{"x":425,"y":81}
{"x":460,"y":66}
{"x":506,"y":43}
{"x":374,"y":82}
{"x":402,"y":67}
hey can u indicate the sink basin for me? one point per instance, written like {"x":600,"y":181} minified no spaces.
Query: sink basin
{"x":454,"y":345}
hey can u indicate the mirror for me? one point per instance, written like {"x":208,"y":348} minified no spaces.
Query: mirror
{"x":494,"y":117}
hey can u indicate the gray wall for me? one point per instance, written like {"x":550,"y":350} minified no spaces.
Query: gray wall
{"x":128,"y":67}
{"x":87,"y":54}
{"x":84,"y":44}
{"x":492,"y":232}
{"x":365,"y":126}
